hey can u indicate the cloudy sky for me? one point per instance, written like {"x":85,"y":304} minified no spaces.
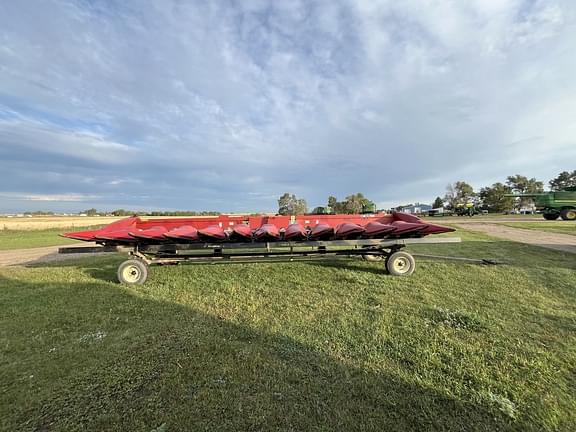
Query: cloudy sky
{"x":225,"y":105}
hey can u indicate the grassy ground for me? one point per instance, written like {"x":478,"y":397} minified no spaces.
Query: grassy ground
{"x":295,"y":346}
{"x":23,"y":239}
{"x":562,"y":227}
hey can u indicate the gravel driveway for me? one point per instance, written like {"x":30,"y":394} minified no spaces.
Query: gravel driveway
{"x":37,"y":256}
{"x":561,"y":242}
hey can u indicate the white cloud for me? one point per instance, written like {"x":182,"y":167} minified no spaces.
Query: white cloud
{"x":44,"y":138}
{"x":49,"y":198}
{"x":190,"y":102}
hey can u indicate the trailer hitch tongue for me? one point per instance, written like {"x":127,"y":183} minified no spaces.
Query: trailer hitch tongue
{"x":485,"y":261}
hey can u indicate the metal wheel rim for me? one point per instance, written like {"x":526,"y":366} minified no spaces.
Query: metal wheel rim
{"x":131,"y":273}
{"x":401,"y":265}
{"x":571,"y":214}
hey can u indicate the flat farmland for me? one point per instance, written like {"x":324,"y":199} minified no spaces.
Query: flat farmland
{"x":48,"y":222}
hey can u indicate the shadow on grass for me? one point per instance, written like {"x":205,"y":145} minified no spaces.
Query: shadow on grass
{"x":100,"y":266}
{"x":354,"y":263}
{"x":126,"y":362}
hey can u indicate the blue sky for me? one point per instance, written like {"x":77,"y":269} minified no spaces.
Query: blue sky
{"x":225,"y":105}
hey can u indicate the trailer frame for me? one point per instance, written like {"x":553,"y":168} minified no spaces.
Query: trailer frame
{"x":135,"y":270}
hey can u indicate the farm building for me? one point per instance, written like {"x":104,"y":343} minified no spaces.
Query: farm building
{"x":416,"y":208}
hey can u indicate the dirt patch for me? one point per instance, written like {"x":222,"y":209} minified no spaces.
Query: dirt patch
{"x":561,"y":242}
{"x":37,"y":256}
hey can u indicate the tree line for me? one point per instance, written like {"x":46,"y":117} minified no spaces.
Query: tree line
{"x":123,"y":212}
{"x":496,"y":198}
{"x":290,"y":204}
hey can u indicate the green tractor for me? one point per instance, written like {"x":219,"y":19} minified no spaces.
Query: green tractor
{"x":555,"y":204}
{"x":469,"y":209}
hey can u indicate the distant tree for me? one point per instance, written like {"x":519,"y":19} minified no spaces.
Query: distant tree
{"x":179,"y":213}
{"x":522,"y":185}
{"x":333,"y":204}
{"x":120,"y":212}
{"x":564,"y":180}
{"x":39,"y":213}
{"x":438,"y":203}
{"x":289,"y":204}
{"x":494,"y":198}
{"x":357,"y":203}
{"x":320,"y":210}
{"x":353,"y":204}
{"x":90,"y":212}
{"x":458,"y":193}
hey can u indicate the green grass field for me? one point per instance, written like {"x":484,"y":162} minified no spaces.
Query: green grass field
{"x":23,"y":239}
{"x":561,"y":227}
{"x":488,"y":216}
{"x":296,"y":346}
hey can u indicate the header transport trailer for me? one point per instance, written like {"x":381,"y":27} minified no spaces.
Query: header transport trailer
{"x":554,"y":204}
{"x":242,"y":239}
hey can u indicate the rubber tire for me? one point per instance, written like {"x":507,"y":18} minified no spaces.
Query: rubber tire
{"x":551,"y":216}
{"x":132,"y":272}
{"x":568,"y":214}
{"x":400,"y":264}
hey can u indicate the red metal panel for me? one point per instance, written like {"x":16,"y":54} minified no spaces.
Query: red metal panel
{"x":217,"y":224}
{"x":186,"y":232}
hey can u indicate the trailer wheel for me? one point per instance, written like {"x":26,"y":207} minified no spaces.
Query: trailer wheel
{"x":551,"y":216}
{"x":568,"y":214}
{"x":400,"y":264}
{"x":132,"y":272}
